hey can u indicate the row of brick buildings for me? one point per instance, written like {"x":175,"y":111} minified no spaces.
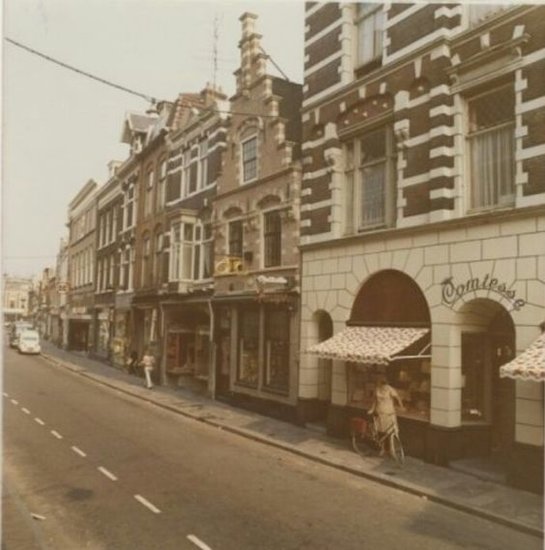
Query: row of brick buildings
{"x":397,"y":198}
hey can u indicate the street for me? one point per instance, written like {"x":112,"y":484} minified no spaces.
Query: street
{"x":103,"y":470}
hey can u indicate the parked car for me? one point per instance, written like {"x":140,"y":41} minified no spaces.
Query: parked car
{"x":29,"y":342}
{"x":16,"y":330}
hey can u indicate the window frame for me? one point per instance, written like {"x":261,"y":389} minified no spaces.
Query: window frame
{"x":374,"y":11}
{"x":272,"y":234}
{"x":230,"y":240}
{"x":508,"y":200}
{"x":243,"y":143}
{"x":354,"y":180}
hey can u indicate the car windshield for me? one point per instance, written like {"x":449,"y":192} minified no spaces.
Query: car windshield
{"x":29,"y":337}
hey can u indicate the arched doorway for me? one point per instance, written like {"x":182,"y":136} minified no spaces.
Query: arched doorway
{"x":487,"y":342}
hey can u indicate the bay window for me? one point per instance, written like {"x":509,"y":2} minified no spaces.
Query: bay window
{"x":191,"y":251}
{"x":491,"y":141}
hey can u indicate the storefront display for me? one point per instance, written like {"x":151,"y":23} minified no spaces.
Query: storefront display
{"x":248,"y":342}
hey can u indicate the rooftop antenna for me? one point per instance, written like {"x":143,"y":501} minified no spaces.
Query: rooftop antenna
{"x":215,"y":50}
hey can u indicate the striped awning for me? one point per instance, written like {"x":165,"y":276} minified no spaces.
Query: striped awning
{"x":369,"y":345}
{"x":529,"y":365}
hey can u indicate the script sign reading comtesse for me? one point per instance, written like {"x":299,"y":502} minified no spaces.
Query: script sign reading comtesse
{"x":452,"y":292}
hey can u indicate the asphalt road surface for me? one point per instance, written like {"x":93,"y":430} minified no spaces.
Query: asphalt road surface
{"x":97,"y":469}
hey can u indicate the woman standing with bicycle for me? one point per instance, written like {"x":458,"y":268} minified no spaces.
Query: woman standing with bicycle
{"x":384,"y":408}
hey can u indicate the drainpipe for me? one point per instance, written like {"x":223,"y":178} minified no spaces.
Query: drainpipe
{"x":212,"y":360}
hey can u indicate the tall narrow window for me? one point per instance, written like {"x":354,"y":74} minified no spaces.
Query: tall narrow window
{"x":203,"y":164}
{"x":145,"y":260}
{"x":492,"y":148}
{"x":129,"y":206}
{"x":186,"y":172}
{"x":148,"y":197}
{"x":207,"y":251}
{"x":175,"y":244}
{"x":161,"y":185}
{"x":187,"y":251}
{"x":235,"y":239}
{"x":369,"y":181}
{"x":249,"y":159}
{"x":158,"y":250}
{"x":370,"y":26}
{"x":273,"y":238}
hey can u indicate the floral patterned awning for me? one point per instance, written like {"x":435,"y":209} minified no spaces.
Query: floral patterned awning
{"x":529,"y":365}
{"x":370,"y":345}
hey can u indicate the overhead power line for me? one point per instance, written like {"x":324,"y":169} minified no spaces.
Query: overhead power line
{"x":149,"y":98}
{"x":79,"y":71}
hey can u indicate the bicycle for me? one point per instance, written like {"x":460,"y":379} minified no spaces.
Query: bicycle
{"x":366,"y":437}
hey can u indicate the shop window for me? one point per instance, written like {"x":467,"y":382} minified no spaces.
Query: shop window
{"x":491,"y":141}
{"x":369,"y":192}
{"x":248,"y":346}
{"x":235,"y":239}
{"x":370,"y":26}
{"x":273,"y":239}
{"x":410,"y":377}
{"x":249,"y":159}
{"x":277,"y":344}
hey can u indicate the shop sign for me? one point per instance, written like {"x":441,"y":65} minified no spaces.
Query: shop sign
{"x":452,"y":292}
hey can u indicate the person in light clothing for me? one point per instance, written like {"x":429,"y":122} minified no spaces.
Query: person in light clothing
{"x":148,"y":362}
{"x":384,"y":408}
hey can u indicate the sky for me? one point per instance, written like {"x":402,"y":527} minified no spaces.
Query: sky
{"x":61,"y":129}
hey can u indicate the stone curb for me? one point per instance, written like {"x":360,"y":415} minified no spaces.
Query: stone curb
{"x":377,"y":478}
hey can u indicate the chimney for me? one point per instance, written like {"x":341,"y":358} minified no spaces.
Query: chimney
{"x":252,"y":58}
{"x":113,"y":165}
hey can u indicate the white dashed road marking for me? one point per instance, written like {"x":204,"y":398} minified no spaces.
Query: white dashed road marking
{"x":198,"y":542}
{"x":5,"y":394}
{"x":147,"y":504}
{"x":107,"y":473}
{"x":40,"y":421}
{"x":56,"y":434}
{"x":15,"y":402}
{"x":78,"y":451}
{"x":26,"y":411}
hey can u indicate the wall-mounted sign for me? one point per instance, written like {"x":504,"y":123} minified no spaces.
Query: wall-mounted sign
{"x":452,"y":292}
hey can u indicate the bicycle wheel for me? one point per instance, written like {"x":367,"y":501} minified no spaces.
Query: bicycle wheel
{"x":396,"y":449}
{"x":360,"y":446}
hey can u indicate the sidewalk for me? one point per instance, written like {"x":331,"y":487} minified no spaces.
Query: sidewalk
{"x":517,"y":509}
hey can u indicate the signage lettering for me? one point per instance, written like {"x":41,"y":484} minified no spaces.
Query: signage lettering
{"x":452,"y":292}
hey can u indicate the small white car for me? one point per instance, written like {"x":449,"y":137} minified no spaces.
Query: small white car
{"x":29,"y":342}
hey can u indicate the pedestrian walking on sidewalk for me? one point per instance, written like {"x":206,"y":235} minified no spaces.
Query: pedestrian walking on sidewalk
{"x":148,"y":362}
{"x":384,"y":408}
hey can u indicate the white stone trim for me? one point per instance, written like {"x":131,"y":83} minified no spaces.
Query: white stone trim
{"x":531,"y":152}
{"x":412,"y":221}
{"x":321,"y":64}
{"x":306,"y":192}
{"x":531,"y":200}
{"x":307,"y":207}
{"x":441,"y":131}
{"x":403,"y":15}
{"x":442,"y":152}
{"x":314,"y":9}
{"x":441,"y":51}
{"x":310,"y":145}
{"x":524,"y":107}
{"x":314,"y":239}
{"x":324,"y":32}
{"x":441,"y":89}
{"x":413,"y":46}
{"x":442,"y":193}
{"x":320,"y":95}
{"x":442,"y":110}
{"x":531,"y":58}
{"x":316,"y":174}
